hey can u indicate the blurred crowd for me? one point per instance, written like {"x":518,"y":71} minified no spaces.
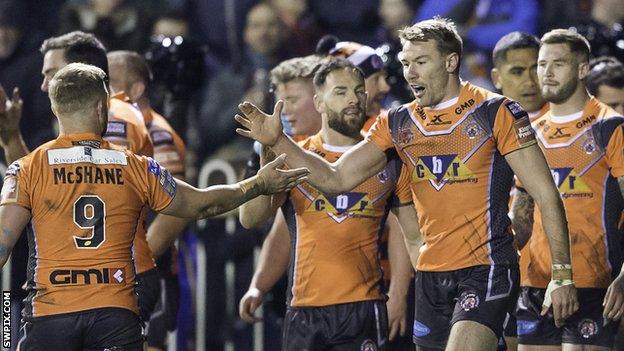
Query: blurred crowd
{"x":206,"y":56}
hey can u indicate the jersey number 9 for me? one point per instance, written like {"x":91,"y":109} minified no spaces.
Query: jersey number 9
{"x":90,"y":213}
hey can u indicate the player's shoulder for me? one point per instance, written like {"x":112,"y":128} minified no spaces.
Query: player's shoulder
{"x":124,"y":112}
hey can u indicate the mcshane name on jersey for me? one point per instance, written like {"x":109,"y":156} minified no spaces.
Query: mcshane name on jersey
{"x":88,"y":174}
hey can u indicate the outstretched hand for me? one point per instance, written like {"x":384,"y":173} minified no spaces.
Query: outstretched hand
{"x":274,"y":180}
{"x":10,"y":115}
{"x":260,"y":126}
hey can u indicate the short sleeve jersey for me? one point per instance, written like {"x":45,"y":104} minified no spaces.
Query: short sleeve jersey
{"x":334,"y":254}
{"x":459,"y":178}
{"x":86,"y":197}
{"x":585,"y":155}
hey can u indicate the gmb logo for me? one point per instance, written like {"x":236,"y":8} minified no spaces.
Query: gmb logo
{"x":439,"y":168}
{"x":570,"y":183}
{"x":353,"y":203}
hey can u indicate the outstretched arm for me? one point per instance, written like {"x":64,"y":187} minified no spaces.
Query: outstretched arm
{"x":256,"y":212}
{"x":273,"y":263}
{"x":13,"y":220}
{"x":531,"y":168}
{"x":190,"y":202}
{"x":358,"y":164}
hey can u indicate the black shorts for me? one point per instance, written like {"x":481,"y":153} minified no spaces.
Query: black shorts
{"x":99,"y":329}
{"x":148,"y":291}
{"x":164,"y":317}
{"x":585,"y":327}
{"x":484,"y":294}
{"x":345,"y":327}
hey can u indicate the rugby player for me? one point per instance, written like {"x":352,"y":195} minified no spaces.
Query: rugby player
{"x":605,"y":81}
{"x":83,"y":198}
{"x":334,"y":273}
{"x":460,"y":143}
{"x":130,"y":74}
{"x":582,"y":140}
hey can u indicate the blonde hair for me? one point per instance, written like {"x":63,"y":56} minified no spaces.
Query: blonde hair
{"x":298,"y":67}
{"x":578,"y":44}
{"x":77,"y":87}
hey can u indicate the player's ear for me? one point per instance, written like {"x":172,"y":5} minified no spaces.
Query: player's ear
{"x":583,"y":70}
{"x":452,"y":62}
{"x":495,"y":76}
{"x":137,"y":89}
{"x":318,"y":104}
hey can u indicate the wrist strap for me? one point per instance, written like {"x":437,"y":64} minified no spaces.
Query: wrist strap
{"x":552,"y":286}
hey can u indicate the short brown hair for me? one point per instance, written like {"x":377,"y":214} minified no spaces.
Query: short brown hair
{"x":78,"y":47}
{"x":334,"y":64}
{"x":577,"y":43}
{"x":134,"y":63}
{"x":298,"y":67}
{"x":442,"y":30}
{"x":77,"y":87}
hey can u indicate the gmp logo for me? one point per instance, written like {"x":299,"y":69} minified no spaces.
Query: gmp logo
{"x":87,"y":276}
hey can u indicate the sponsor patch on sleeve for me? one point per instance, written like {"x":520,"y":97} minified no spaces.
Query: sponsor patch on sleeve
{"x":13,"y":169}
{"x":516,"y":110}
{"x":161,"y":137}
{"x":10,"y":186}
{"x":524,"y":131}
{"x":167,"y":182}
{"x":153,"y":166}
{"x":118,"y":129}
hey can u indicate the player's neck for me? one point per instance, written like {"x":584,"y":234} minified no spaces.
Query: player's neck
{"x":575,"y":103}
{"x":335,"y":138}
{"x":453,"y":87}
{"x":73,"y":128}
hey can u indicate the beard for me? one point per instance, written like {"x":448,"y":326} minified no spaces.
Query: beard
{"x":562,"y":94}
{"x":345,"y":125}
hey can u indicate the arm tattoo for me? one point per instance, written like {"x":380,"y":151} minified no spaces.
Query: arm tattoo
{"x":522,"y":209}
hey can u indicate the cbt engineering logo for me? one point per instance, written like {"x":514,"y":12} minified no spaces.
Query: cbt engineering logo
{"x":570,"y":184}
{"x":442,"y":169}
{"x":343,"y":206}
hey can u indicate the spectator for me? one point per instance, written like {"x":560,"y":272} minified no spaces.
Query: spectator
{"x":17,"y":60}
{"x":301,"y":25}
{"x":606,"y":82}
{"x":603,"y":28}
{"x":264,"y":41}
{"x":395,"y":15}
{"x":481,"y":24}
{"x":119,"y":24}
{"x":220,"y":24}
{"x":353,"y":20}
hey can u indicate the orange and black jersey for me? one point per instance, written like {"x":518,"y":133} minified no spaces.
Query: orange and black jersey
{"x":334,"y":254}
{"x":169,"y":151}
{"x":459,"y":178}
{"x":126,"y":127}
{"x":585,"y":155}
{"x":85,"y":196}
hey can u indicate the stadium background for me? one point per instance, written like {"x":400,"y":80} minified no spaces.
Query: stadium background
{"x":206,"y":57}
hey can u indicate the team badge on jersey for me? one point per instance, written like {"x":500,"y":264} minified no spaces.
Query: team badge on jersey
{"x":342,"y":206}
{"x":442,"y":169}
{"x":472,"y":130}
{"x":569,"y":183}
{"x":589,"y":145}
{"x":405,"y":136}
